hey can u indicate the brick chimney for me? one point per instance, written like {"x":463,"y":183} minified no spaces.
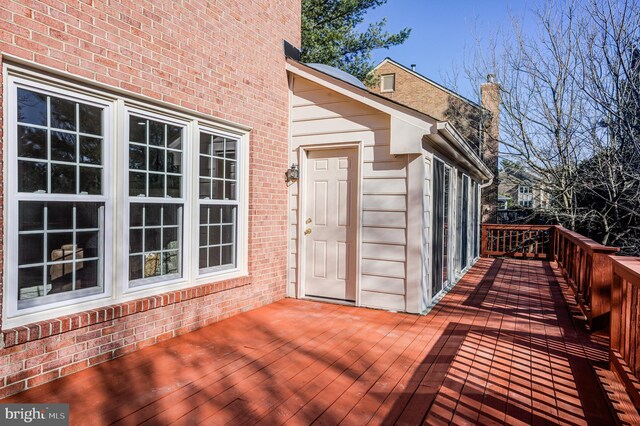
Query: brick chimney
{"x":490,"y":93}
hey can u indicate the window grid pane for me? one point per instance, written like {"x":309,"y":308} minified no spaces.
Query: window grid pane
{"x":218,"y":168}
{"x":51,"y":141}
{"x":218,"y":180}
{"x":155,"y":240}
{"x":60,"y":248}
{"x":217,"y":244}
{"x":155,"y":158}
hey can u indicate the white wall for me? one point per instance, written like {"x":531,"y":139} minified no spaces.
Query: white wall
{"x":321,"y":116}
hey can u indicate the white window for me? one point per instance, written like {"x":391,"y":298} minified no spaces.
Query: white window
{"x":524,"y":189}
{"x":218,"y":199}
{"x":156,"y":199}
{"x":57,"y":195}
{"x":387,"y":82}
{"x":99,"y":209}
{"x":525,"y":196}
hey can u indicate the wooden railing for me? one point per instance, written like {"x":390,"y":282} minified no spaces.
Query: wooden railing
{"x":587,"y":268}
{"x":625,"y":324}
{"x":526,"y":241}
{"x":584,"y":263}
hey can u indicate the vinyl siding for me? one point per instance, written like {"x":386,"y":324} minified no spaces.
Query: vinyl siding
{"x":320,"y":116}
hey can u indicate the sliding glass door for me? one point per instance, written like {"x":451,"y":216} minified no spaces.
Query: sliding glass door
{"x":476,"y":220}
{"x":440,"y":243}
{"x":445,"y":238}
{"x":464,"y":222}
{"x":438,"y":227}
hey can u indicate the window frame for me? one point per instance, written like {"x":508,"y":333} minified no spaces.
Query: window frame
{"x":184,"y":232}
{"x":115,"y":193}
{"x":241,"y":203}
{"x":14,"y":197}
{"x":382,"y":79}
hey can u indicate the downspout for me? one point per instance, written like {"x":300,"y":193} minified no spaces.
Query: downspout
{"x":483,"y":186}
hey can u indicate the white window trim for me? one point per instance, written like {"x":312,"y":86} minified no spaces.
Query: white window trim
{"x":382,"y":78}
{"x":13,"y":197}
{"x":241,"y":203}
{"x":115,"y":196}
{"x":145,"y":283}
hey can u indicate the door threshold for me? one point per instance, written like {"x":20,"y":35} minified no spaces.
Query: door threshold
{"x":330,"y":300}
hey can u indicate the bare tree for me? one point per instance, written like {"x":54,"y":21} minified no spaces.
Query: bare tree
{"x":571,"y":112}
{"x":610,"y":76}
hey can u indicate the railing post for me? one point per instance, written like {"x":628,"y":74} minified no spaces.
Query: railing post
{"x":551,"y":250}
{"x":601,"y":288}
{"x":616,"y":305}
{"x":484,"y":249}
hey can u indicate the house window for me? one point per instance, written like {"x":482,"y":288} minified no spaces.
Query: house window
{"x":218,"y":199}
{"x":387,"y":82}
{"x":155,"y":199}
{"x":525,"y":196}
{"x":73,"y":156}
{"x":59,"y":161}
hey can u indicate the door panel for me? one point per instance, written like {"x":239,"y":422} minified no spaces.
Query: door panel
{"x":329,"y":218}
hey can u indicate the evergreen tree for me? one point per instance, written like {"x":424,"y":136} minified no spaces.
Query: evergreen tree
{"x":330,"y":35}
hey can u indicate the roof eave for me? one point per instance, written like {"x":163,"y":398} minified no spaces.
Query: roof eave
{"x":452,"y":135}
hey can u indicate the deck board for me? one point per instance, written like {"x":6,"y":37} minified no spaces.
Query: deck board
{"x":501,"y":348}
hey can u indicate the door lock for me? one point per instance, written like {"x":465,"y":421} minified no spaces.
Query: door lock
{"x":308,"y":221}
{"x":307,"y":231}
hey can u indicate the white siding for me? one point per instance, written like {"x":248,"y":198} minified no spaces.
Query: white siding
{"x":321,"y":116}
{"x":426,"y":230}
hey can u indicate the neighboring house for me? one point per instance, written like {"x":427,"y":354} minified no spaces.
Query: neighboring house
{"x":144,"y":145}
{"x":478,"y":124}
{"x":385,"y":213}
{"x":522,"y":189}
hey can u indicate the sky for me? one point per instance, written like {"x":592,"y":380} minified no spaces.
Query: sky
{"x":442,"y":30}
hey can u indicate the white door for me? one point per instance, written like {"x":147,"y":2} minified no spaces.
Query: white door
{"x":329,"y":219}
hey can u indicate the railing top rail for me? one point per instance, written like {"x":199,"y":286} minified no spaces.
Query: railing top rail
{"x":584,"y":242}
{"x":627,"y":267}
{"x":517,"y":227}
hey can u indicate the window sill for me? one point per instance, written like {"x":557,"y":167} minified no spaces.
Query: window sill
{"x":40,"y":330}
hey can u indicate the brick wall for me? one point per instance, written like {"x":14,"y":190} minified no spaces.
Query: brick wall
{"x":414,"y":92}
{"x":222,"y":59}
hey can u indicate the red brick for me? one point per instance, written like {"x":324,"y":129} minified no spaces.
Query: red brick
{"x":73,"y":368}
{"x":23,"y":375}
{"x":100,"y":358}
{"x":43,"y":378}
{"x":11,"y":389}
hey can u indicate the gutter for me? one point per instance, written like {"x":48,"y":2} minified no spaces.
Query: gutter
{"x":454,"y":136}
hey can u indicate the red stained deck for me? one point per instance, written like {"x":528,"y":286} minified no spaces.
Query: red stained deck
{"x":500,"y":348}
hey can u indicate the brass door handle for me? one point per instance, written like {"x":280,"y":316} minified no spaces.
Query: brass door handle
{"x":307,"y":231}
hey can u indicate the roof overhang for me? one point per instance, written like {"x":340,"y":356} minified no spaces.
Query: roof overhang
{"x":406,"y":114}
{"x":451,"y":143}
{"x":409,"y":127}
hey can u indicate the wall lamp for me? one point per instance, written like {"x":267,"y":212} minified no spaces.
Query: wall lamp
{"x":292,"y":174}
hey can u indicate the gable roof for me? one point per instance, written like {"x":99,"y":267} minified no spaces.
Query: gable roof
{"x":365,"y":95}
{"x":438,"y":131}
{"x":429,"y":81}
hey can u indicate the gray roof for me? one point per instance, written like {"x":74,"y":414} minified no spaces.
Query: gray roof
{"x":338,"y":73}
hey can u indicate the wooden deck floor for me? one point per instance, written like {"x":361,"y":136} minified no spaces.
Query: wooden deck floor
{"x":500,"y":348}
